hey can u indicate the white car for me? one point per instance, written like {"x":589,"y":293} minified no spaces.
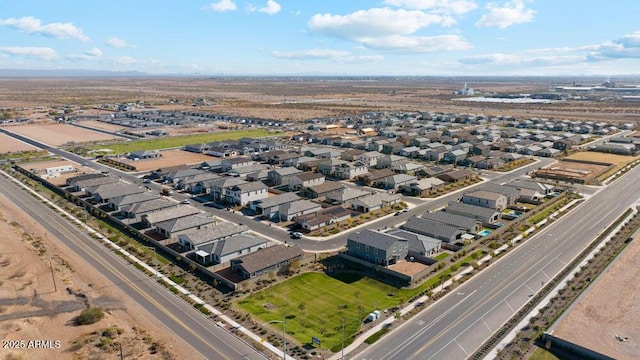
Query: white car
{"x":185,"y":201}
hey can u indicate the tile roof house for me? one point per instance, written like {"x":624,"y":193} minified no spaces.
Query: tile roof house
{"x":456,"y":175}
{"x":306,"y":179}
{"x":421,"y":187}
{"x":282,"y":176}
{"x":222,"y":230}
{"x":321,"y":191}
{"x":219,"y":186}
{"x":82,"y":183}
{"x":103,"y":193}
{"x":377,"y":247}
{"x":485,"y":215}
{"x":243,"y":194}
{"x":346,"y":195}
{"x":269,"y":207}
{"x":324,"y":217}
{"x":174,"y":227}
{"x":374,"y":176}
{"x":441,"y":231}
{"x":117,"y":203}
{"x":370,"y":158}
{"x":227,"y":249}
{"x":375,"y":201}
{"x":262,"y":261}
{"x":140,"y":208}
{"x":395,"y":181}
{"x":419,"y":245}
{"x":296,"y":208}
{"x":152,"y":218}
{"x":487,"y":199}
{"x":466,"y":223}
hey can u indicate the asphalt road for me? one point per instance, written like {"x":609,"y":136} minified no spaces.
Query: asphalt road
{"x":180,"y":318}
{"x":455,"y":326}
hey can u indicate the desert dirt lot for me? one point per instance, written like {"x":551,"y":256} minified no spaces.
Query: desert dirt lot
{"x":619,"y":161}
{"x":30,"y":309}
{"x":610,"y":307}
{"x":9,"y":144}
{"x":58,"y":134}
{"x":169,"y":158}
{"x":574,"y":170}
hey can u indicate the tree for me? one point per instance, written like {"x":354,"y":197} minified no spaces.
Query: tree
{"x":90,"y":315}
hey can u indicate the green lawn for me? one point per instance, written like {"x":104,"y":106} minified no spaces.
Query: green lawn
{"x":325,"y":301}
{"x":314,"y":304}
{"x":542,"y":354}
{"x":441,"y":256}
{"x":179,"y":141}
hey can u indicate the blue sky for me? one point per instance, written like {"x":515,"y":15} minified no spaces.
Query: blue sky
{"x":324,"y":37}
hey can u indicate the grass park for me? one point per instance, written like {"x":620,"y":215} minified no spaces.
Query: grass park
{"x":314,"y":304}
{"x":179,"y":141}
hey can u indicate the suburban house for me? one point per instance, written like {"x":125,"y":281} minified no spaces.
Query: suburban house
{"x":176,"y":175}
{"x":377,"y":247}
{"x":174,"y":227}
{"x":117,"y":203}
{"x":81,"y":183}
{"x":103,"y":193}
{"x":140,"y":208}
{"x":512,"y":193}
{"x":323,"y":217}
{"x":419,"y":245}
{"x":196,"y":184}
{"x":243,"y":194}
{"x":374,"y":176}
{"x":144,"y":155}
{"x":486,"y":215}
{"x":234,"y":163}
{"x":409,"y":168}
{"x":469,"y":224}
{"x":370,"y":158}
{"x":152,"y":218}
{"x":395,"y":181}
{"x":456,"y":175}
{"x":222,"y":230}
{"x":388,"y":161}
{"x":375,"y":201}
{"x":441,"y":231}
{"x":297,"y":208}
{"x":346,"y":195}
{"x":350,"y":170}
{"x":307,"y":179}
{"x":487,"y":199}
{"x":219,"y":187}
{"x":421,"y":187}
{"x":282,"y":176}
{"x":269,"y":207}
{"x":273,"y":258}
{"x":226,"y":249}
{"x":221,"y":152}
{"x":321,"y":191}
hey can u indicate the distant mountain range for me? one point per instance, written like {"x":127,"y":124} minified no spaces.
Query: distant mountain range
{"x":8,"y":73}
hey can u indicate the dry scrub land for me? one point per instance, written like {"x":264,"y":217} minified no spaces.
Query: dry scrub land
{"x":610,"y":307}
{"x":31,"y":309}
{"x":58,"y":134}
{"x":9,"y":145}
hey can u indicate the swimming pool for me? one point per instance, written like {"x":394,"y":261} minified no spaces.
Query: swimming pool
{"x":484,"y":232}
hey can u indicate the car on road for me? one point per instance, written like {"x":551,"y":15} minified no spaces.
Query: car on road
{"x":185,"y":201}
{"x":146,"y":181}
{"x":296,"y":235}
{"x":398,"y":213}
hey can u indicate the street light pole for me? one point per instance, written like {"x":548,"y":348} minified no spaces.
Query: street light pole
{"x":284,"y":340}
{"x":343,"y":325}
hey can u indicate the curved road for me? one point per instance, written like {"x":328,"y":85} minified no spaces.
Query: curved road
{"x":186,"y":322}
{"x":456,"y":325}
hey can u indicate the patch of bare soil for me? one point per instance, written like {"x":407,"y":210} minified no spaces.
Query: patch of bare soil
{"x":37,"y":317}
{"x":610,"y":308}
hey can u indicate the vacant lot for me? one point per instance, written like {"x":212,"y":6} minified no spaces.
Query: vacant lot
{"x":58,"y":134}
{"x":32,"y":308}
{"x":619,"y":161}
{"x":610,"y":307}
{"x":572,"y":171}
{"x":9,"y":145}
{"x":169,"y":158}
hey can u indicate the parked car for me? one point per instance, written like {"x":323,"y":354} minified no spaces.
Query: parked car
{"x":185,"y":201}
{"x":296,"y":235}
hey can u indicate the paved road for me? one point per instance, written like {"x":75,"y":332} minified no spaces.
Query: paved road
{"x":179,"y":317}
{"x":455,"y":326}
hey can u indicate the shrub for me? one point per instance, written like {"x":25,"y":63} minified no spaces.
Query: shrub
{"x":90,"y":315}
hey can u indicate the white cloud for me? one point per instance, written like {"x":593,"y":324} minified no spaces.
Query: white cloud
{"x":326,"y":54}
{"x":94,"y":52}
{"x":44,"y":53}
{"x":125,"y":60}
{"x":510,"y":13}
{"x":457,"y":7}
{"x":223,"y":6}
{"x":31,"y":25}
{"x":625,"y":47}
{"x":271,"y":8}
{"x":418,"y":43}
{"x":115,"y":42}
